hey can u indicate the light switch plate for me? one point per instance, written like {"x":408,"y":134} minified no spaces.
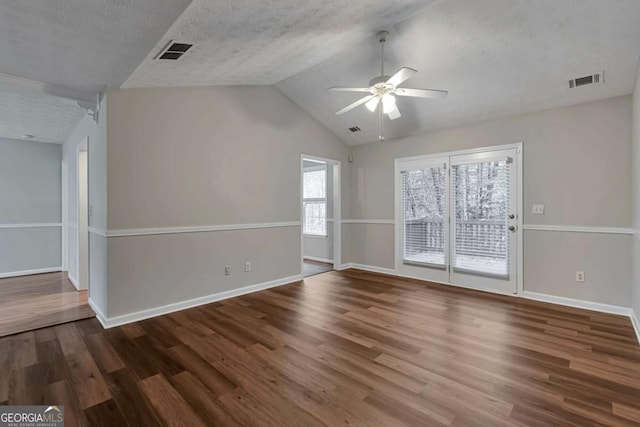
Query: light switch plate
{"x":537,"y":209}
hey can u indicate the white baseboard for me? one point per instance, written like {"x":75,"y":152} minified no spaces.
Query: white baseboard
{"x":373,"y":268}
{"x":636,"y":324}
{"x":110,"y":322}
{"x":577,"y":303}
{"x":73,"y":281}
{"x":313,"y":258}
{"x":99,"y":314}
{"x":30,"y":272}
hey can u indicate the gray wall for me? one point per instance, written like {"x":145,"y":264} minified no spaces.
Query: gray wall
{"x":30,"y":193}
{"x":317,"y":246}
{"x":205,"y":157}
{"x":636,"y":197}
{"x":577,"y":161}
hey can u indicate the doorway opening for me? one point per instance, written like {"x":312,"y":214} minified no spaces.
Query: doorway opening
{"x":320,"y":215}
{"x":459,"y":218}
{"x":37,"y":299}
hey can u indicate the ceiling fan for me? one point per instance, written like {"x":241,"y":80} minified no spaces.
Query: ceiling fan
{"x":384,"y":89}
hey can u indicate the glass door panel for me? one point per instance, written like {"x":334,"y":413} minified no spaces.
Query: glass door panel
{"x":457,"y":219}
{"x":483,"y":221}
{"x":424,"y":201}
{"x":481,"y":196}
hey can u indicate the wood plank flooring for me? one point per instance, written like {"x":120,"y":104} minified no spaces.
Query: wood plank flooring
{"x":36,"y":301}
{"x":311,"y":268}
{"x":340,"y":348}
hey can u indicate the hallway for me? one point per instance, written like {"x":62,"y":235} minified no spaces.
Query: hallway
{"x":36,"y":301}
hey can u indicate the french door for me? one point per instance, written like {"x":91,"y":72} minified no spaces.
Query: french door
{"x":458,"y":219}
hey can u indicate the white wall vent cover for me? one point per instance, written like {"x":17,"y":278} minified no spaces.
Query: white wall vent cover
{"x":591,"y":79}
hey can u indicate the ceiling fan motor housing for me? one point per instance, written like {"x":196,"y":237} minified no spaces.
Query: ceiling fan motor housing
{"x":378,"y":80}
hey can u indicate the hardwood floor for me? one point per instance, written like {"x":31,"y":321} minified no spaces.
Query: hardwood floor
{"x":311,"y":268}
{"x":32,"y":302}
{"x":340,"y":348}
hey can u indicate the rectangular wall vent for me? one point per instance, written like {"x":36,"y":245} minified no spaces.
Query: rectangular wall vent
{"x":591,"y":79}
{"x":354,"y":129}
{"x":173,"y":51}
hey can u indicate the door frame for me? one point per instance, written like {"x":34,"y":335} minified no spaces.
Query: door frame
{"x":337,"y":209}
{"x":519,"y":203}
{"x":82,"y":147}
{"x":65,"y":214}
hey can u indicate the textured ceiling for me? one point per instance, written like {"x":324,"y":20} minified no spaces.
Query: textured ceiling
{"x":496,"y":58}
{"x":254,"y":42}
{"x":47,"y":118}
{"x":83,"y":45}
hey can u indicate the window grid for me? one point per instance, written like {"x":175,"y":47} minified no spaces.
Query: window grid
{"x":315,"y":202}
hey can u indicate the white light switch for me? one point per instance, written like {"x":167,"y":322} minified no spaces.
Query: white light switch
{"x":537,"y":209}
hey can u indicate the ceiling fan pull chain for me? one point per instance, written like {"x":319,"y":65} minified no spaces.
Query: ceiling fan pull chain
{"x":381,"y":120}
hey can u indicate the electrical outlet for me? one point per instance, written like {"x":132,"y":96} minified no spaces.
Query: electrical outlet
{"x":247,"y":266}
{"x":579,"y":276}
{"x":537,"y":209}
{"x":227,"y":270}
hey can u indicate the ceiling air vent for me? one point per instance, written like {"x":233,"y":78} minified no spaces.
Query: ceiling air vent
{"x":173,"y":50}
{"x":354,"y":129}
{"x":591,"y":79}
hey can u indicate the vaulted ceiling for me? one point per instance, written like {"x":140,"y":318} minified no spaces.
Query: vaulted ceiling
{"x":256,"y":42}
{"x":81,"y":46}
{"x":495,"y":57}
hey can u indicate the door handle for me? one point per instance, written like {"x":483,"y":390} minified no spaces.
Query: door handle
{"x":511,"y":216}
{"x":512,"y":228}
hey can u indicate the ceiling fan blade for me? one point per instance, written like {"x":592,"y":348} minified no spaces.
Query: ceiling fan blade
{"x":354,"y":105}
{"x":422,"y":93}
{"x":348,"y":89}
{"x":394,"y":114}
{"x":372,"y":104}
{"x":402,"y":75}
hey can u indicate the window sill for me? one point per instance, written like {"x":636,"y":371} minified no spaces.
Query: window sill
{"x":317,"y":236}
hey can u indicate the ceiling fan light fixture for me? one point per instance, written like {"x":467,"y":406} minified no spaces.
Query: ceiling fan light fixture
{"x":372,"y":104}
{"x":383,"y":89}
{"x":388,"y":103}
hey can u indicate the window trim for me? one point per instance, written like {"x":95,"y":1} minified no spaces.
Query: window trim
{"x":315,"y":200}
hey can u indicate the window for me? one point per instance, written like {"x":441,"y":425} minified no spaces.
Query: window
{"x":481,"y":203}
{"x":314,"y":201}
{"x":424,"y":202}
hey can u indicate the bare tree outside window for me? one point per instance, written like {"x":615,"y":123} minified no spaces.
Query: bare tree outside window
{"x":314,"y":201}
{"x":480,"y":202}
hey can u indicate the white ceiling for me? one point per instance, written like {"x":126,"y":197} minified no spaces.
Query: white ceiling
{"x":496,"y":57}
{"x":29,"y":112}
{"x":257,"y":42}
{"x":79,"y":44}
